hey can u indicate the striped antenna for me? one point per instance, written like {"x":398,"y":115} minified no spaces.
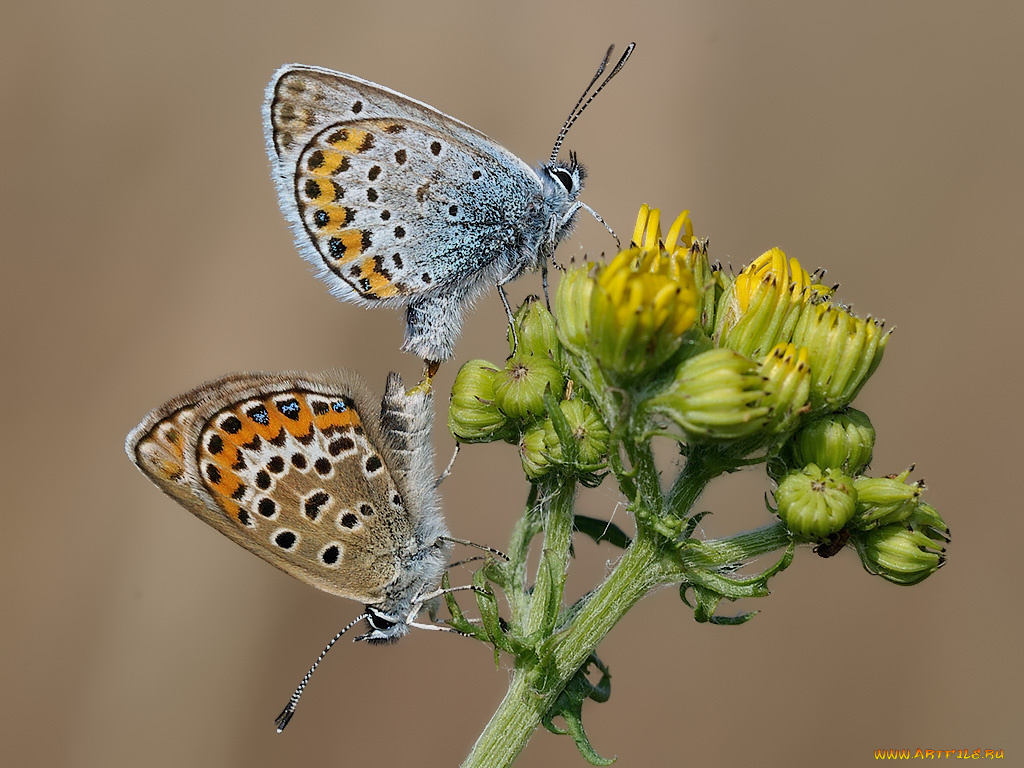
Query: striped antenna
{"x":581,"y":104}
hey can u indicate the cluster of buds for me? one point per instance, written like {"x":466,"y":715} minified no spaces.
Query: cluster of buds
{"x":823,"y":497}
{"x":510,"y":403}
{"x":763,"y":362}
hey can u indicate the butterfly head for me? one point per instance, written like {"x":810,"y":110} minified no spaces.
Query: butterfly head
{"x":562,"y":181}
{"x":385,"y":628}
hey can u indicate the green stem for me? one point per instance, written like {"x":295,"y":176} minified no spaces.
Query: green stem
{"x":529,"y":525}
{"x":640,"y":570}
{"x":546,"y":599}
{"x":702,"y":466}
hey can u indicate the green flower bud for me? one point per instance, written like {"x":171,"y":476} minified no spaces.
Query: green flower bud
{"x":841,"y":440}
{"x":587,"y":430}
{"x":927,"y":520}
{"x":519,"y":388}
{"x":899,"y":554}
{"x":716,"y":395}
{"x":710,"y":283}
{"x":533,"y":452}
{"x":815,"y":503}
{"x":787,"y":384}
{"x":843,"y":351}
{"x":886,"y":500}
{"x":536,"y":332}
{"x":572,"y":308}
{"x":473,"y":416}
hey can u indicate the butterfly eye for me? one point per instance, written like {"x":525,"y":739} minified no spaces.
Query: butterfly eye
{"x":564,"y":178}
{"x":378,"y":622}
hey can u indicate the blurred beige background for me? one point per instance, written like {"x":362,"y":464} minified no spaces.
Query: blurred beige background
{"x":144,"y":253}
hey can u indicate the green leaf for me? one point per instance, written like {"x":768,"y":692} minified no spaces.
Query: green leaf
{"x":601,"y":530}
{"x":712,"y":586}
{"x":707,"y":602}
{"x":487,"y":604}
{"x":458,"y":621}
{"x":569,"y":706}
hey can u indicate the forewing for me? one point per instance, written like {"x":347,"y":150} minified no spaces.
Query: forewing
{"x":157,"y":444}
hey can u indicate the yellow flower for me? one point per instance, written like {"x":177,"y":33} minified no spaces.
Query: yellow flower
{"x":632,"y":315}
{"x":761,"y":307}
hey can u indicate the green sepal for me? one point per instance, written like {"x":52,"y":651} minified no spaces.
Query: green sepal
{"x":569,"y":706}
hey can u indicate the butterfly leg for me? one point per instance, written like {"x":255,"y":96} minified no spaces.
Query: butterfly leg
{"x":430,"y":368}
{"x":544,"y":281}
{"x":511,"y":318}
{"x":596,"y":215}
{"x":448,"y":469}
{"x":484,"y":547}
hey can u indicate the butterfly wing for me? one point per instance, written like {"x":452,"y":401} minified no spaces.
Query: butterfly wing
{"x":390,"y":199}
{"x":291,"y":467}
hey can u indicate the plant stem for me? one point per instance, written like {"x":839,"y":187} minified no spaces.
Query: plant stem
{"x":546,"y":599}
{"x":530,"y":697}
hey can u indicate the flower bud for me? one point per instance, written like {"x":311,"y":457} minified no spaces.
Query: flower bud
{"x":716,"y":395}
{"x":632,"y":314}
{"x":473,"y":416}
{"x":843,"y":351}
{"x":886,"y":500}
{"x":927,"y":520}
{"x":762,"y":305}
{"x":814,"y":503}
{"x":787,"y":384}
{"x":841,"y":440}
{"x":533,"y":452}
{"x":640,"y":308}
{"x":519,"y":387}
{"x":536,"y":334}
{"x":587,"y":431}
{"x":899,"y":554}
{"x":572,"y":308}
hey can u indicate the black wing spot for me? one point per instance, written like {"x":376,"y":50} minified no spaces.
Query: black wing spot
{"x":315,"y":503}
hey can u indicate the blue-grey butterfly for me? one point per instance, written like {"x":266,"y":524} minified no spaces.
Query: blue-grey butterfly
{"x":397,"y":204}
